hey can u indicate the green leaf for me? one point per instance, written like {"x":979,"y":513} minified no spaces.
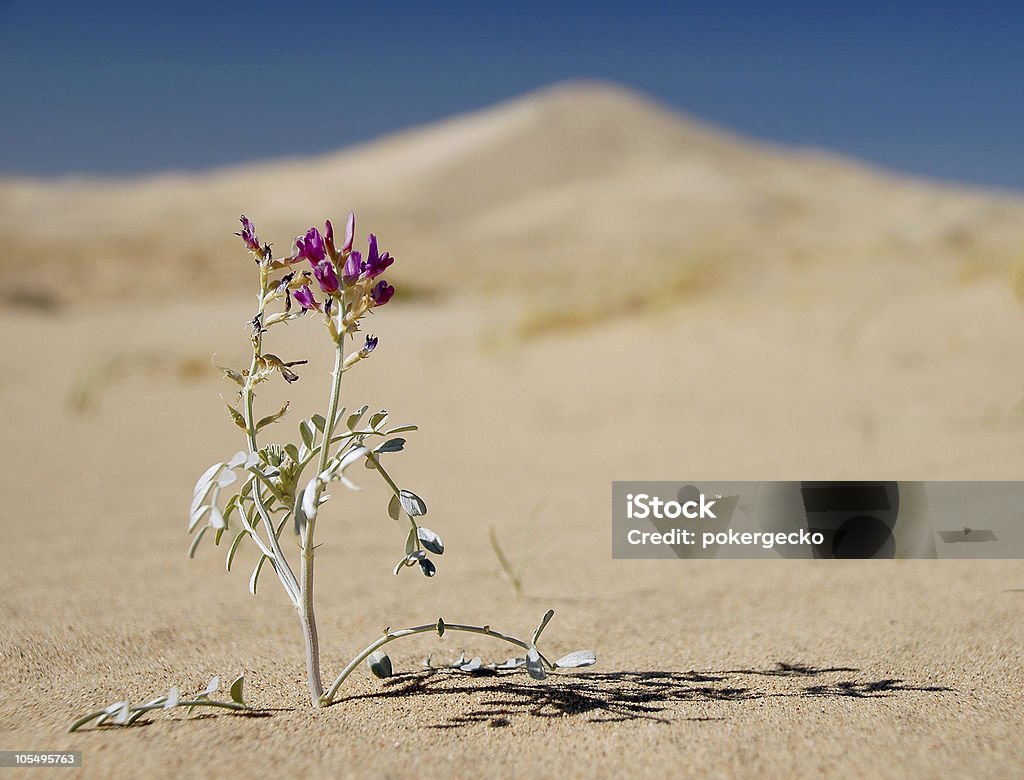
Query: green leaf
{"x":236,"y":690}
{"x":233,"y":549}
{"x":378,"y":419}
{"x":410,"y":542}
{"x":355,"y":417}
{"x":319,"y":422}
{"x":256,"y":574}
{"x":195,"y":541}
{"x":306,"y":433}
{"x":273,"y":418}
{"x":401,"y":429}
{"x":235,"y":415}
{"x":394,"y":507}
{"x":440,"y":627}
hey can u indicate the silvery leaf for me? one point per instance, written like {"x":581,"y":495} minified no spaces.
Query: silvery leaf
{"x":473,"y":665}
{"x":172,"y":698}
{"x":207,"y":477}
{"x":577,"y":659}
{"x":534,"y":666}
{"x":380,"y":665}
{"x":236,"y":690}
{"x":458,"y":661}
{"x":430,"y":540}
{"x":350,"y":457}
{"x":413,"y":505}
{"x":349,"y":484}
{"x":394,"y":507}
{"x":401,"y":429}
{"x":196,"y":516}
{"x":226,"y":477}
{"x":238,"y":460}
{"x":512,"y":663}
{"x":212,"y":687}
{"x":253,"y":580}
{"x":310,"y":498}
{"x":391,"y":445}
{"x":122,"y":714}
{"x":217,"y":519}
{"x":252,"y":460}
{"x":427,"y":567}
{"x":543,"y":624}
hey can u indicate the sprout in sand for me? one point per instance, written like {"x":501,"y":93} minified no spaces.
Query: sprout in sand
{"x":272,"y":495}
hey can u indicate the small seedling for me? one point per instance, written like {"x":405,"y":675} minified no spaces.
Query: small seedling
{"x":265,"y":494}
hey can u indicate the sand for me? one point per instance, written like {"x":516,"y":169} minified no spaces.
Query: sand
{"x":833,"y":370}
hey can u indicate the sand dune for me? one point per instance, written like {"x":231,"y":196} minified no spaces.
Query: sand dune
{"x":578,"y":184}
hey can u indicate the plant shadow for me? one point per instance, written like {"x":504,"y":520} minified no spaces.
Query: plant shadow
{"x":606,"y":697}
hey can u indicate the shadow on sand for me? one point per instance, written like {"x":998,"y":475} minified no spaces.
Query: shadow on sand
{"x":626,"y":696}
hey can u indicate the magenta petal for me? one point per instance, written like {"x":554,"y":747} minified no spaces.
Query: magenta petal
{"x":325,"y":275}
{"x":304,"y":297}
{"x":381,"y":293}
{"x":353,"y":267}
{"x":329,"y":240}
{"x":350,"y":232}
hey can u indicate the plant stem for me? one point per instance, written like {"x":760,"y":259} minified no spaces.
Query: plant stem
{"x":306,"y":611}
{"x":279,"y":561}
{"x":391,"y":636}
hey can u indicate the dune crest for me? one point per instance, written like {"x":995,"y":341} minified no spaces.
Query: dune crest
{"x":582,"y":184}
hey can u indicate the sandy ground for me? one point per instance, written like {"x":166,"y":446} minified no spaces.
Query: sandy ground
{"x":706,"y":668}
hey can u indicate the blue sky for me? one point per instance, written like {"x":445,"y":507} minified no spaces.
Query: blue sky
{"x":930,"y":88}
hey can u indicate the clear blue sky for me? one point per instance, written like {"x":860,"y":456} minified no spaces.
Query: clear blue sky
{"x":932,"y":88}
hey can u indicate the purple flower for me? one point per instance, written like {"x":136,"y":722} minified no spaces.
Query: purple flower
{"x":350,"y":232}
{"x":369,"y":346}
{"x":304,"y":297}
{"x":309,"y":247}
{"x":376,"y":263}
{"x":329,"y":240}
{"x":325,"y":275}
{"x":381,"y":293}
{"x":248,"y":234}
{"x":353,"y":267}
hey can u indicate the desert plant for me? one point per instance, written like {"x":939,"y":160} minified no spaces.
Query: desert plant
{"x":263,"y":494}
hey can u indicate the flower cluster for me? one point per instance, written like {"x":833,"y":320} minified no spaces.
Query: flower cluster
{"x":341,"y":272}
{"x":351,"y":283}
